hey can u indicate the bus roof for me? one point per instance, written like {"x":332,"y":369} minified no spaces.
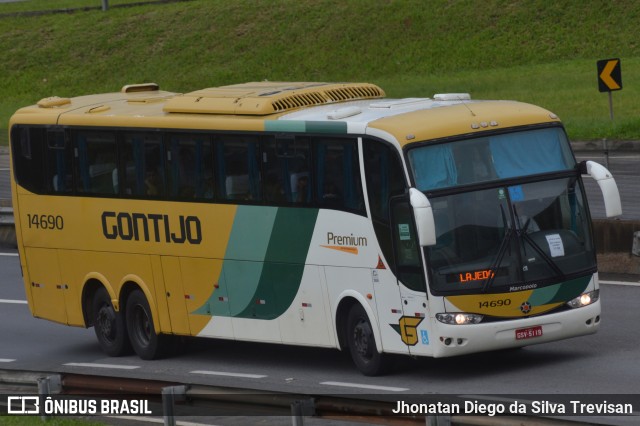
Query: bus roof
{"x":287,"y":106}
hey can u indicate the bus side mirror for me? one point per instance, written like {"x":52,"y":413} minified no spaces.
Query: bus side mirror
{"x":607,"y":184}
{"x":424,"y":217}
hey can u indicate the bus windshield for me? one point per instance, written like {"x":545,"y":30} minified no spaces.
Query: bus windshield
{"x":499,"y":156}
{"x":494,"y":236}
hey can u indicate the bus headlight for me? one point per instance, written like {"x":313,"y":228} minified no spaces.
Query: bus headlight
{"x":459,"y":318}
{"x":584,"y":299}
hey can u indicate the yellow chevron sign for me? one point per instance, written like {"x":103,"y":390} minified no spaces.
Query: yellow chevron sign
{"x":609,"y":75}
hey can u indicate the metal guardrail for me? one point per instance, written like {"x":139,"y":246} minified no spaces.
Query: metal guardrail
{"x":6,"y":216}
{"x":198,"y":400}
{"x":104,"y":6}
{"x":7,"y":225}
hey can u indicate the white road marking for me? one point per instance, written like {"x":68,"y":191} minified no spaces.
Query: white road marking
{"x":363,"y":386}
{"x":224,"y":373}
{"x":631,"y":283}
{"x":6,"y":360}
{"x":9,"y":254}
{"x":20,"y":302}
{"x":93,"y":365}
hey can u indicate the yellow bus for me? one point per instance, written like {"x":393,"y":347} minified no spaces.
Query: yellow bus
{"x":316,"y":214}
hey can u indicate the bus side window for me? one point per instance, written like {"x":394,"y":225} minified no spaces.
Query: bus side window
{"x":142,"y":165}
{"x":59,"y":156}
{"x":338,"y":183}
{"x":409,"y":263}
{"x":287,"y":164}
{"x":384,"y":175}
{"x":191,"y":167}
{"x":385,"y":179}
{"x":96,"y":161}
{"x":27,"y":147}
{"x":238,"y":168}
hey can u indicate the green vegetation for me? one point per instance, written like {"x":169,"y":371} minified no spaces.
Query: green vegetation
{"x":538,"y":51}
{"x":53,"y":421}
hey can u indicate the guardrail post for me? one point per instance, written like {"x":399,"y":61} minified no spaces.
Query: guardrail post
{"x":171,"y":395}
{"x":47,"y":386}
{"x":301,"y":408}
{"x":635,"y":246}
{"x":105,"y":5}
{"x":438,"y":420}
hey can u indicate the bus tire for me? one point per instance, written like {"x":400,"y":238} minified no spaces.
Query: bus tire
{"x":109,"y":325}
{"x":362,"y":344}
{"x":142,"y":334}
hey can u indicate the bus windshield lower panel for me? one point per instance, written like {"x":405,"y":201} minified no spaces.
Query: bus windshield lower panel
{"x":506,"y":238}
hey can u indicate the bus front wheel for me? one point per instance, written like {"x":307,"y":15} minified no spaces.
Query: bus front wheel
{"x":142,"y":334}
{"x":109,"y":325}
{"x":362,"y":344}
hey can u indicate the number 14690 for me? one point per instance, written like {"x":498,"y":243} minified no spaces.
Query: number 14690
{"x":45,"y":221}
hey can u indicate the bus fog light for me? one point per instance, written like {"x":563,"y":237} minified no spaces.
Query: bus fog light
{"x":584,"y":299}
{"x":460,"y":318}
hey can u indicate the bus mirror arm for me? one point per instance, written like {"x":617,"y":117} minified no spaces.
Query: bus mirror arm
{"x":607,"y":184}
{"x":424,"y":217}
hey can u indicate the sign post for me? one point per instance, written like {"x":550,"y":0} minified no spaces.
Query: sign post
{"x":609,"y":78}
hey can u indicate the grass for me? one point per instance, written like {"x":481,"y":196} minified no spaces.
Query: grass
{"x":52,"y":421}
{"x":539,"y":51}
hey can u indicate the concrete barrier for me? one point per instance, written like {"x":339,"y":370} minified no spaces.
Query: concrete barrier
{"x":635,"y":248}
{"x":614,"y":236}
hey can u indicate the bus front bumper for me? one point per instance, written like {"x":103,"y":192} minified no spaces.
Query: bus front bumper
{"x":453,"y":340}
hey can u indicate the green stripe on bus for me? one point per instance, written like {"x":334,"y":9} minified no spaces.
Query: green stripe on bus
{"x":561,"y":292}
{"x":284,"y":263}
{"x":264,"y":285}
{"x":249,"y":240}
{"x":251,"y":232}
{"x":284,"y":126}
{"x":571,"y":289}
{"x":333,"y":127}
{"x":336,"y":127}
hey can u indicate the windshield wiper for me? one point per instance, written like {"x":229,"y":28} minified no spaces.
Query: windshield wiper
{"x":544,"y":255}
{"x":522,"y":233}
{"x":501,"y":251}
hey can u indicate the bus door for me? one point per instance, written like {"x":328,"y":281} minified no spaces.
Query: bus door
{"x":414,"y":323}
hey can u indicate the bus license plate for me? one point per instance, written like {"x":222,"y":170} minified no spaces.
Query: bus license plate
{"x":528,"y":333}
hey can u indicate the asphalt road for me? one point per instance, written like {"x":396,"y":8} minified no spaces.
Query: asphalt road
{"x":605,"y":363}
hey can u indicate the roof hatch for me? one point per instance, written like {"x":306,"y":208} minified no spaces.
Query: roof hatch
{"x":143,"y":87}
{"x":452,"y":97}
{"x":263,"y":98}
{"x":54,"y":102}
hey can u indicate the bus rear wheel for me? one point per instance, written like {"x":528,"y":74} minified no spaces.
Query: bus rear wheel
{"x":109,"y":325}
{"x":362,"y":344}
{"x":142,"y":334}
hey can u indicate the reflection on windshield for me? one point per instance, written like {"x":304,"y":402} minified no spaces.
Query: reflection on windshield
{"x":488,"y":158}
{"x":510,"y":236}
